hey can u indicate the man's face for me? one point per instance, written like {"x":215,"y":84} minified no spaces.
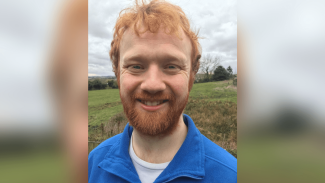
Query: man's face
{"x":154,"y":80}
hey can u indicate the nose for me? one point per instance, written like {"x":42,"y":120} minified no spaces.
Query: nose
{"x":153,"y":82}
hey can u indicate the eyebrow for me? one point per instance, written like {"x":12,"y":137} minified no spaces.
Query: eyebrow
{"x":142,"y":57}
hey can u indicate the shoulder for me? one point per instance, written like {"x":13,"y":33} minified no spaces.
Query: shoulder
{"x":218,"y":157}
{"x":98,"y":154}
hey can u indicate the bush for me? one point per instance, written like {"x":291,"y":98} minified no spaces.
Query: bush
{"x":205,"y":79}
{"x":112,"y":84}
{"x":90,"y":85}
{"x":96,"y":85}
{"x":234,"y":81}
{"x":220,"y":74}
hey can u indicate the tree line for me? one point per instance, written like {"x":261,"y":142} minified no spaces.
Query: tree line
{"x":97,"y":84}
{"x":212,"y":70}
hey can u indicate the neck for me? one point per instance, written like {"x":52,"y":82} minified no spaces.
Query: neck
{"x":159,"y":149}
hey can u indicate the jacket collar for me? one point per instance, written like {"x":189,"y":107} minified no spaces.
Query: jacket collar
{"x":188,"y":161}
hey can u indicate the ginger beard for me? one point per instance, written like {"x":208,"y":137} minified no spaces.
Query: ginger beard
{"x":160,"y":122}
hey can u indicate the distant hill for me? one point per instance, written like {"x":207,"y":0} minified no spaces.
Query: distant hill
{"x":103,"y":79}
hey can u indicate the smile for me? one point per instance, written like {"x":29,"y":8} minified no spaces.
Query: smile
{"x":152,"y":103}
{"x":152,"y":106}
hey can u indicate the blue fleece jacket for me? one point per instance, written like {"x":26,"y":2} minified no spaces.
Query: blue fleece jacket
{"x":198,"y":160}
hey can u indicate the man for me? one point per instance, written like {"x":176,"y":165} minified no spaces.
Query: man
{"x":155,"y":57}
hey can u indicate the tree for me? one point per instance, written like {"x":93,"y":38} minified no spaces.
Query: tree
{"x":208,"y":64}
{"x":112,"y":83}
{"x":220,"y":74}
{"x":90,"y":85}
{"x":97,"y":84}
{"x":229,"y":69}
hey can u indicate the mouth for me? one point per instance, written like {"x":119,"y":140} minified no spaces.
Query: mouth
{"x":152,"y":103}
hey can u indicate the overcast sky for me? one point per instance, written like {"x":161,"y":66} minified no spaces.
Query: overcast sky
{"x":216,"y":19}
{"x":283,"y":45}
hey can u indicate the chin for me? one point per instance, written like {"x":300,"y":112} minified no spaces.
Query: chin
{"x":161,"y":122}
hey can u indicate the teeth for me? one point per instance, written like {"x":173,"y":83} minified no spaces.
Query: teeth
{"x":153,"y":103}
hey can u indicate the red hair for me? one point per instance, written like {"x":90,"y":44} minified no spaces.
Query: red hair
{"x":153,"y":15}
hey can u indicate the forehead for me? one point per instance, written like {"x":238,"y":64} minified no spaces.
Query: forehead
{"x":158,"y":43}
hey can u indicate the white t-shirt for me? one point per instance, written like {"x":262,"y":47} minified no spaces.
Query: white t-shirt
{"x":148,"y":172}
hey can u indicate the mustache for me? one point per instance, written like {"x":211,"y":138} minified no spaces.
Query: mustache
{"x":144,"y":95}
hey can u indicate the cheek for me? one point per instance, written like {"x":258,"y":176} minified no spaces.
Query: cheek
{"x":179,"y":85}
{"x":128,"y":83}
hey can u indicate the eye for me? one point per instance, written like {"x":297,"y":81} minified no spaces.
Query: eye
{"x":136,"y":67}
{"x":171,"y":67}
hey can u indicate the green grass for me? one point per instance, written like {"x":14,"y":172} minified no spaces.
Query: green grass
{"x":100,"y":97}
{"x":33,"y":167}
{"x":288,"y":160}
{"x":102,"y":105}
{"x":103,"y":115}
{"x":214,"y":91}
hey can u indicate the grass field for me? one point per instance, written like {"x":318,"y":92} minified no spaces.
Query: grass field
{"x":212,"y":106}
{"x":102,"y":105}
{"x":30,"y":166}
{"x":214,"y":91}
